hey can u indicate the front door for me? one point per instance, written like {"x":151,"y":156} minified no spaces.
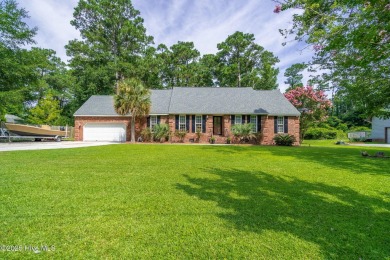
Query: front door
{"x":217,"y":125}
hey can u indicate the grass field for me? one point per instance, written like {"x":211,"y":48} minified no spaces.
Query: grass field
{"x":188,"y":201}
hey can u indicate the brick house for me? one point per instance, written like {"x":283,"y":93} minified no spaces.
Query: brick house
{"x":211,"y":111}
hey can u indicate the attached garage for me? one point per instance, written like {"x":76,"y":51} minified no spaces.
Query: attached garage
{"x":114,"y":132}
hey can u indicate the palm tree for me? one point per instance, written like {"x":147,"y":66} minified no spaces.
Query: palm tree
{"x":134,"y":99}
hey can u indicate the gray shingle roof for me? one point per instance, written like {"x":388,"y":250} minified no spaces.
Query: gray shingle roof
{"x":160,"y":100}
{"x":191,"y":100}
{"x":97,"y":106}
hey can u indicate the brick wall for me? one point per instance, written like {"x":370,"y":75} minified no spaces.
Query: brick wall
{"x":81,"y":121}
{"x":267,"y":128}
{"x":293,"y":128}
{"x":267,"y":123}
{"x":191,"y":136}
{"x":208,"y":133}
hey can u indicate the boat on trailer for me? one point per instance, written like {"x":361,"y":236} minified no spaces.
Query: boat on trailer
{"x":38,"y":133}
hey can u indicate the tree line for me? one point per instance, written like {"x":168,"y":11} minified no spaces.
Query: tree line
{"x":114,"y":45}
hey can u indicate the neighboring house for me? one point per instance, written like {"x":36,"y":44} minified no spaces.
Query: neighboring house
{"x":211,"y":111}
{"x":380,"y":130}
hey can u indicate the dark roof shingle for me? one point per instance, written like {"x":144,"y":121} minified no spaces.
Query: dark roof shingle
{"x":192,"y":100}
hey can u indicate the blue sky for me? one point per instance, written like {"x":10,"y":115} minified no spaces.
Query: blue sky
{"x":204,"y":22}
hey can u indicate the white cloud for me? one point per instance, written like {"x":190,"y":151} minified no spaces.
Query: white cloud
{"x":204,"y":22}
{"x":53,"y":21}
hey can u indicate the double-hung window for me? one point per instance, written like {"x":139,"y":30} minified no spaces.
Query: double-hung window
{"x":254,"y":123}
{"x":198,"y":123}
{"x":280,"y":123}
{"x":238,"y":119}
{"x":182,"y":123}
{"x":153,"y":122}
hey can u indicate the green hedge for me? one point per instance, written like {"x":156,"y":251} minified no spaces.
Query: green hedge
{"x":360,"y":129}
{"x":320,"y":133}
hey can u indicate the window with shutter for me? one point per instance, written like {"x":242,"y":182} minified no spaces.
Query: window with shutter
{"x":280,"y":124}
{"x":153,"y":122}
{"x":253,"y":121}
{"x":182,"y":123}
{"x":238,"y":119}
{"x":198,"y":123}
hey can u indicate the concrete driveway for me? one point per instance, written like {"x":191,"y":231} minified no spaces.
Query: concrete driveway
{"x":19,"y":146}
{"x":372,"y":145}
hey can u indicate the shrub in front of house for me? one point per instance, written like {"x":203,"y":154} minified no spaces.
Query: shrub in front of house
{"x":160,"y":132}
{"x":198,"y":135}
{"x":146,"y":135}
{"x":258,"y":137}
{"x":180,"y":134}
{"x":284,"y":139}
{"x":243,"y":132}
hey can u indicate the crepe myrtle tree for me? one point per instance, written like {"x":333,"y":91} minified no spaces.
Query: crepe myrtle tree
{"x":132,"y":99}
{"x":313,"y":105}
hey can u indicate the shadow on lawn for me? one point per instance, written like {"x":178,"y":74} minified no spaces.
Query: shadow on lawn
{"x":346,"y":158}
{"x":338,"y":158}
{"x":343,"y":223}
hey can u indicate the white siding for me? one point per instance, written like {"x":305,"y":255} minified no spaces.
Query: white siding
{"x":388,"y":135}
{"x":378,"y":128}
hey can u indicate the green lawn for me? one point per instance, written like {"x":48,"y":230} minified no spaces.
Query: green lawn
{"x":189,"y":201}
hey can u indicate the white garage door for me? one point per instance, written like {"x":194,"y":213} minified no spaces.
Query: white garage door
{"x":115,"y":132}
{"x":388,"y":135}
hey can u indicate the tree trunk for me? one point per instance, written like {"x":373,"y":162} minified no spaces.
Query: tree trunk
{"x":132,"y":129}
{"x":117,"y":82}
{"x":239,"y":74}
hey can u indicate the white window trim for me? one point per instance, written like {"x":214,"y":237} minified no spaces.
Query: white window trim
{"x":198,"y":123}
{"x":236,"y":119}
{"x":152,"y":122}
{"x":182,"y":122}
{"x":254,"y":123}
{"x":280,"y":124}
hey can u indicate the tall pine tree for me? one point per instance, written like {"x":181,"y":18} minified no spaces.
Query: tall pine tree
{"x":113,"y":44}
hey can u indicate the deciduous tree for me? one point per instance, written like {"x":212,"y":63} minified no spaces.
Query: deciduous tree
{"x":46,"y":112}
{"x":313,"y":105}
{"x":351,"y":40}
{"x":15,"y":70}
